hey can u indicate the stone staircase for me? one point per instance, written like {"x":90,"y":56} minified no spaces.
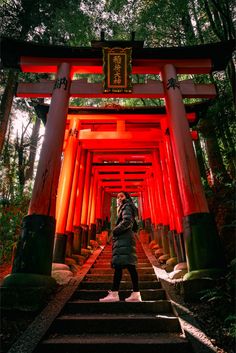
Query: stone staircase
{"x":87,"y":325}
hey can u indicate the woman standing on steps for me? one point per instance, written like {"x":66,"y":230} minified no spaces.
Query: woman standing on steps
{"x":124,"y":249}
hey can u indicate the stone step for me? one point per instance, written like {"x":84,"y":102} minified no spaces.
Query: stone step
{"x":86,"y":325}
{"x":107,"y":250}
{"x":106,"y":257}
{"x":107,"y":264}
{"x":89,"y":306}
{"x":104,"y":278}
{"x":123,"y":285}
{"x":81,"y":324}
{"x":146,"y":294}
{"x":141,"y":270}
{"x":138,"y":252}
{"x":141,"y":343}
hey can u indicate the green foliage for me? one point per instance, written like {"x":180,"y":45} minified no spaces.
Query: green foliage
{"x":54,"y":22}
{"x":230,"y":323}
{"x":11,"y":215}
{"x":222,"y":299}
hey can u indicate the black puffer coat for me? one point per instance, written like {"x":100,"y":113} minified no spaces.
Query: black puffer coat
{"x":123,"y":240}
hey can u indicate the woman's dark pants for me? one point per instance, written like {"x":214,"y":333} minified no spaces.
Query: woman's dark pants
{"x":118,"y":276}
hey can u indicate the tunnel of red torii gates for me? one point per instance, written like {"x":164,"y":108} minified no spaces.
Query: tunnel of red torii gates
{"x":126,"y":149}
{"x":89,"y":154}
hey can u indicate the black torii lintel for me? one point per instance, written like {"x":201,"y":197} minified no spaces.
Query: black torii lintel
{"x":12,"y":50}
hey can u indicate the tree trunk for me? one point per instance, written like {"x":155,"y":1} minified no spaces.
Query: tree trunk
{"x":194,"y":4}
{"x":229,"y":148}
{"x":215,"y":160}
{"x":232,"y":77}
{"x":33,"y":148}
{"x":187,"y":25}
{"x":214,"y":27}
{"x":20,"y":149}
{"x":222,"y":26}
{"x":200,"y":158}
{"x":6,"y":104}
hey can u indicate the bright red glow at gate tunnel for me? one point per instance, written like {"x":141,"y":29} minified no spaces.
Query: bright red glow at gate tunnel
{"x":120,"y":149}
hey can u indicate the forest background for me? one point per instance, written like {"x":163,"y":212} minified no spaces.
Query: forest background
{"x":160,"y":23}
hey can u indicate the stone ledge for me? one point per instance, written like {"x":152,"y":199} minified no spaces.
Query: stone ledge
{"x":200,"y":341}
{"x":28,"y":341}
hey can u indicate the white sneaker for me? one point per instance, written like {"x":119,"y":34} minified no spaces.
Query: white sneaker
{"x":134,"y":297}
{"x":111,"y":297}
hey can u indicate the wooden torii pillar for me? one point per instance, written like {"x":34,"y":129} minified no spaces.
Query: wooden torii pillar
{"x":199,"y":227}
{"x":71,"y":211}
{"x":176,"y":237}
{"x":79,"y":194}
{"x":39,"y":226}
{"x":64,"y":192}
{"x":164,"y":226}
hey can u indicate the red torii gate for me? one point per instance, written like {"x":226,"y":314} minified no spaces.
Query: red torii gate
{"x":126,"y":122}
{"x":174,"y":143}
{"x":89,"y":141}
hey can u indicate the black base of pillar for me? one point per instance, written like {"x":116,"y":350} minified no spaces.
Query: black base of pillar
{"x":147,"y":225}
{"x":35,"y":246}
{"x":85,"y":230}
{"x":202,"y":242}
{"x":179,"y":247}
{"x":69,"y":244}
{"x":152,"y":231}
{"x":159,"y":234}
{"x":99,"y":225}
{"x":156,"y":234}
{"x":77,"y":240}
{"x":171,"y":235}
{"x":92,"y":231}
{"x":59,"y":253}
{"x":165,"y":244}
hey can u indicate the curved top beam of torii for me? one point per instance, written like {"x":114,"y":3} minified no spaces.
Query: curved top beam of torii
{"x":34,"y":57}
{"x":127,"y":127}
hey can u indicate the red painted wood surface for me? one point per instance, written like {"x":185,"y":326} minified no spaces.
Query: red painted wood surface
{"x":95,"y":66}
{"x":66,"y":177}
{"x":80,"y":189}
{"x":82,"y":89}
{"x":71,"y":211}
{"x":93,"y":203}
{"x":160,"y":189}
{"x":43,"y":199}
{"x":167,"y":188}
{"x":192,"y":194}
{"x":173,"y":183}
{"x":86,"y":187}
